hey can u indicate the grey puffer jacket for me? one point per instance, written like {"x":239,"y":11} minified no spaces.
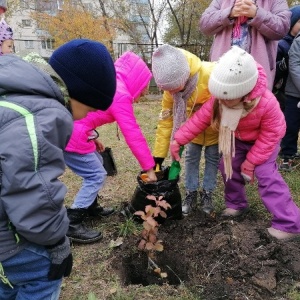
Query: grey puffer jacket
{"x":292,"y":87}
{"x":34,"y":129}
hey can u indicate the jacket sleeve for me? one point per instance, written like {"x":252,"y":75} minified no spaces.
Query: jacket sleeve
{"x":31,"y":163}
{"x":200,"y":120}
{"x":272,"y":129}
{"x":214,"y":19}
{"x":136,"y":141}
{"x":274,"y":24}
{"x":294,"y":63}
{"x":164,"y":127}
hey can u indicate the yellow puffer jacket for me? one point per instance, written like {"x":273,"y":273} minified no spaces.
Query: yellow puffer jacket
{"x":199,"y":96}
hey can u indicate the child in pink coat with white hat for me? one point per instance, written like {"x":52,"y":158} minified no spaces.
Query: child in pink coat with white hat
{"x":251,"y":125}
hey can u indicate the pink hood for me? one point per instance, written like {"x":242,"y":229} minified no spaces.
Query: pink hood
{"x":264,"y":126}
{"x":133,"y":76}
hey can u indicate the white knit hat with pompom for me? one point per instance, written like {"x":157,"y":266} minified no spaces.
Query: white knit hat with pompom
{"x":234,"y":75}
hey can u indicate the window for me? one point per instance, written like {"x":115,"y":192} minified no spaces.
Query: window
{"x":46,"y":6}
{"x":48,"y":44}
{"x":26,"y":23}
{"x":29,"y":44}
{"x":24,"y":4}
{"x":89,"y":6}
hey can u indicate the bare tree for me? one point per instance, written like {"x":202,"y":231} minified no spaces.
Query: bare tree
{"x":183,"y":17}
{"x":140,"y":20}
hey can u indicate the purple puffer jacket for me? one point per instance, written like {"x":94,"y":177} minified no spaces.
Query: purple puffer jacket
{"x":133,"y":76}
{"x":264,"y":126}
{"x":271,"y":23}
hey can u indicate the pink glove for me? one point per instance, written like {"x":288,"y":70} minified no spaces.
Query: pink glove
{"x":174,"y":149}
{"x":247,"y":171}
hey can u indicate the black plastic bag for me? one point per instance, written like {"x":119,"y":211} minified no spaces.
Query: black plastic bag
{"x":109,"y":162}
{"x":168,"y":189}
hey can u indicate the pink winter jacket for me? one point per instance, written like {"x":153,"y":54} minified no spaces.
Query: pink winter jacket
{"x":133,"y":76}
{"x":264,"y":126}
{"x":271,"y":23}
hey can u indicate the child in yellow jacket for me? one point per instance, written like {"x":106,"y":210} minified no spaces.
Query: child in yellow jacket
{"x":184,"y":79}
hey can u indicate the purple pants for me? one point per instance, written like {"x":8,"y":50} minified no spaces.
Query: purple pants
{"x":272,"y":188}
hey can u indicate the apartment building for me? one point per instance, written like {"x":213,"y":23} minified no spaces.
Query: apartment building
{"x":29,"y":38}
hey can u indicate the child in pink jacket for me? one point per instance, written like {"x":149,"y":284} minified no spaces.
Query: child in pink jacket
{"x":251,"y":126}
{"x":81,"y":154}
{"x":6,"y":38}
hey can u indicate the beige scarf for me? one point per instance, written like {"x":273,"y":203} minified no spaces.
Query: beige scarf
{"x":230,"y":118}
{"x":229,"y":122}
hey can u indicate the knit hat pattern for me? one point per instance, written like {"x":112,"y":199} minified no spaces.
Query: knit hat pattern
{"x":170,"y":68}
{"x":6,"y":32}
{"x":234,"y":75}
{"x":88,"y":71}
{"x":295,"y":15}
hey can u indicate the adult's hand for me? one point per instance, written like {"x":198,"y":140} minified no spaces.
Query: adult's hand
{"x":245,"y":8}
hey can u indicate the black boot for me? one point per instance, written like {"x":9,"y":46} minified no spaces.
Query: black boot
{"x":95,"y":210}
{"x":77,"y":232}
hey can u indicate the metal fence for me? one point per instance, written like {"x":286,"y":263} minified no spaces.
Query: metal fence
{"x":200,"y":49}
{"x":145,"y":51}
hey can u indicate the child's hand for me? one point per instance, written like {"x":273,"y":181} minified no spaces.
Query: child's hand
{"x":99,"y":146}
{"x":151,"y":176}
{"x":247,"y":171}
{"x":174,"y":149}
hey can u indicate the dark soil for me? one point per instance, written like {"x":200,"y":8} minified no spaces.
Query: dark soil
{"x":216,"y":259}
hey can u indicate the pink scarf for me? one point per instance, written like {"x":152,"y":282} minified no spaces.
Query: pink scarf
{"x":237,"y":26}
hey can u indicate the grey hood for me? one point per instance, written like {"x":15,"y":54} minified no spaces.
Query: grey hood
{"x":20,"y":77}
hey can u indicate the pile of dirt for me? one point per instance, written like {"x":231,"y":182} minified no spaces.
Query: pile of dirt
{"x":216,"y":258}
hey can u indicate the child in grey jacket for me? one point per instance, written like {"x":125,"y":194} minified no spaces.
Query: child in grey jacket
{"x":35,"y":126}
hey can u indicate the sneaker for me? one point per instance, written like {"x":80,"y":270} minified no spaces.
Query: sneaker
{"x":282,"y":235}
{"x":206,"y":202}
{"x":287,"y":164}
{"x":233,"y":213}
{"x":190,"y":202}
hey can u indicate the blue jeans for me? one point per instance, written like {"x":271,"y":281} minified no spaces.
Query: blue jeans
{"x":90,"y":167}
{"x":27,"y":271}
{"x":192,"y":166}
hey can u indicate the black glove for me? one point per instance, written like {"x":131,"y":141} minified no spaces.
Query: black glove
{"x":61,"y":259}
{"x":158,"y":161}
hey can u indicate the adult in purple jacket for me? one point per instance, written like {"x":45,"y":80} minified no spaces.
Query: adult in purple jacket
{"x":251,"y":125}
{"x":254,"y":25}
{"x":81,"y":154}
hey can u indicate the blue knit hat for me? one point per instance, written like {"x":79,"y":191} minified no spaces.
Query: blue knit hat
{"x":88,"y":71}
{"x":295,"y":15}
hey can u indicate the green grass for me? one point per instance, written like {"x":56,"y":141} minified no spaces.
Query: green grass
{"x":93,"y":276}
